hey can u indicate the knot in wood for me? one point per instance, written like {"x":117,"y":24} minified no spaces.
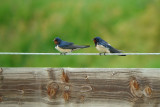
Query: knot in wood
{"x":1,"y":98}
{"x":52,"y":89}
{"x":86,"y":88}
{"x":66,"y":95}
{"x":1,"y":76}
{"x":135,"y":89}
{"x":65,"y":77}
{"x":82,"y":98}
{"x":1,"y":70}
{"x":66,"y":88}
{"x":147,"y":91}
{"x":134,"y":84}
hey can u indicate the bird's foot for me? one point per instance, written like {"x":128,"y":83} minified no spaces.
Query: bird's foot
{"x":62,"y":53}
{"x":102,"y":54}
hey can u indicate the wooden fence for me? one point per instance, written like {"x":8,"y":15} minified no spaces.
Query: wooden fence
{"x":79,"y":87}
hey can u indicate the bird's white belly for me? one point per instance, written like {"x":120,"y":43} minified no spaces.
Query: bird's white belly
{"x":63,"y":50}
{"x":102,"y":49}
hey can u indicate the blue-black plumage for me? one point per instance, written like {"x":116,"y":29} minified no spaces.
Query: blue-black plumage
{"x":104,"y":47}
{"x":65,"y":47}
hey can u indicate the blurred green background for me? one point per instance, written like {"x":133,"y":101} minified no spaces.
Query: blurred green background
{"x":31,"y":25}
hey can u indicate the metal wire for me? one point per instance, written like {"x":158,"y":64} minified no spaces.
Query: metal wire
{"x":17,"y":53}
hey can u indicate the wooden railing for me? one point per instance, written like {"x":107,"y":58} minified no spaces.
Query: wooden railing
{"x":48,"y":87}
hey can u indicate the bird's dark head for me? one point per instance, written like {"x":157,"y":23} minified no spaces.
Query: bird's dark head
{"x":57,"y":40}
{"x":97,"y":39}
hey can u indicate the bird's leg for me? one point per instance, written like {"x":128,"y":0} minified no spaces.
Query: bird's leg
{"x":62,"y":53}
{"x":100,"y":54}
{"x":104,"y":54}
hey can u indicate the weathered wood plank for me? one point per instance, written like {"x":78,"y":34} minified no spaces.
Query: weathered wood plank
{"x":46,"y":87}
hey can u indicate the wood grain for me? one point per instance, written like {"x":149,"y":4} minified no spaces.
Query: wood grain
{"x":45,"y":87}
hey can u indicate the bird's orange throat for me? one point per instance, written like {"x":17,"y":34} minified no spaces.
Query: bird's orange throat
{"x":55,"y":42}
{"x":94,"y":41}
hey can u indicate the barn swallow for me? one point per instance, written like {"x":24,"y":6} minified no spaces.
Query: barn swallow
{"x":104,"y":47}
{"x":66,"y":47}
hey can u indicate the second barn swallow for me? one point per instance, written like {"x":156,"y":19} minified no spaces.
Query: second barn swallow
{"x":66,"y":47}
{"x":104,"y":47}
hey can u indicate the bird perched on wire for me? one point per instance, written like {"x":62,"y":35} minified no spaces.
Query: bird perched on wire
{"x":104,"y":47}
{"x":66,"y":47}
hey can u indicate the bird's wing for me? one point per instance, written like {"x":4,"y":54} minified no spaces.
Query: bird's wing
{"x":65,"y":44}
{"x":113,"y":50}
{"x":74,"y":46}
{"x":104,"y":43}
{"x":107,"y":45}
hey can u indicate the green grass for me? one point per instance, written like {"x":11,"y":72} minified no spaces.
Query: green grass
{"x":30,"y":26}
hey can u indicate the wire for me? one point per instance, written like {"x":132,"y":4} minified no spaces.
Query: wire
{"x":17,"y":53}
